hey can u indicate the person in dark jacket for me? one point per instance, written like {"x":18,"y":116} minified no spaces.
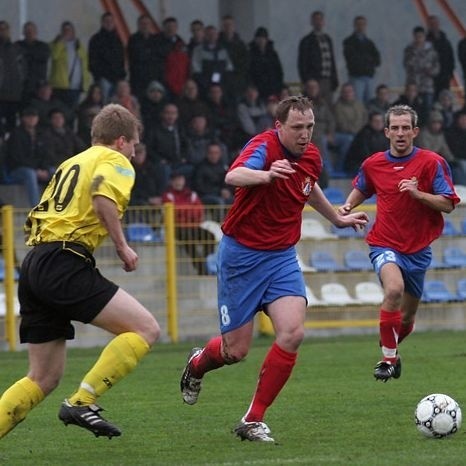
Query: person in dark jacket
{"x":142,"y":54}
{"x":316,"y":59}
{"x":106,"y":56}
{"x":36,"y":54}
{"x":370,"y":139}
{"x":445,"y":54}
{"x":12,"y":74}
{"x":362,"y":58}
{"x":265,"y":68}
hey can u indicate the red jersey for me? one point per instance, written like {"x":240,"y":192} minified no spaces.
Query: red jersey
{"x":189,"y":210}
{"x":403,"y":223}
{"x":268,"y":216}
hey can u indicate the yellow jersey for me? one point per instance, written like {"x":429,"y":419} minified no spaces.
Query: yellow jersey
{"x":65,"y":211}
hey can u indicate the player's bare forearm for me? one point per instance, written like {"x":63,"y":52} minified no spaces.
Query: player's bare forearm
{"x":243,"y":176}
{"x":107,"y":212}
{"x":355,"y":197}
{"x":435,"y":201}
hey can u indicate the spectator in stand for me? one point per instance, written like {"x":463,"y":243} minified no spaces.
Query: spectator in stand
{"x":107,"y":57}
{"x":26,"y":158}
{"x":12,"y":76}
{"x":285,"y":92}
{"x":36,"y":54}
{"x":370,"y":139}
{"x":316,"y":59}
{"x":167,"y":144}
{"x":324,"y":128}
{"x":239,"y":56}
{"x":45,"y":101}
{"x":222,"y":117}
{"x":350,"y":117}
{"x":447,"y":106}
{"x":189,"y":213}
{"x":432,"y":137}
{"x":147,"y":183}
{"x":172,"y":60}
{"x":60,"y":142}
{"x":142,"y":54}
{"x":265,"y":68}
{"x":69,"y":75}
{"x":197,"y":35}
{"x":190,"y":103}
{"x":456,"y":138}
{"x":124,"y":96}
{"x":209,"y":180}
{"x":381,"y":102}
{"x":412,"y":98}
{"x":251,"y":112}
{"x":445,"y":53}
{"x":362,"y":59}
{"x":421,"y":63}
{"x":86,"y":112}
{"x":210,"y":63}
{"x":199,"y":135}
{"x":151,"y":105}
{"x":462,"y":57}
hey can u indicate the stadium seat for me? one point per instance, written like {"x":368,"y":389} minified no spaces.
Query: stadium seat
{"x":347,"y":232}
{"x":368,"y":292}
{"x":336,"y":294}
{"x":211,"y":264}
{"x":371,"y":200}
{"x":437,"y":263}
{"x":463,"y":226}
{"x":2,"y":271}
{"x":357,"y":260}
{"x":334,"y":195}
{"x":312,"y":300}
{"x":304,"y":267}
{"x":435,"y":291}
{"x":142,"y":233}
{"x":313,"y":229}
{"x":461,"y":289}
{"x":454,"y":256}
{"x":3,"y":305}
{"x":212,"y":227}
{"x":323,"y":261}
{"x":449,"y":228}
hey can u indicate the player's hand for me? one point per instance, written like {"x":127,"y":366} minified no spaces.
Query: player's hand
{"x":356,"y":220}
{"x":345,"y":209}
{"x":281,"y":169}
{"x":409,"y":185}
{"x":129,"y":258}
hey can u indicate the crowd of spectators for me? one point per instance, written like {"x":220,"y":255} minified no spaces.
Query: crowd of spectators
{"x":201,"y":99}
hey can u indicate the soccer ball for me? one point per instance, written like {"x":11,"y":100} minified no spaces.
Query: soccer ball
{"x":437,"y":415}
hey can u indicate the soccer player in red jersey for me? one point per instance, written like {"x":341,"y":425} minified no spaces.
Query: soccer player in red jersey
{"x":275,"y":176}
{"x":413,"y":188}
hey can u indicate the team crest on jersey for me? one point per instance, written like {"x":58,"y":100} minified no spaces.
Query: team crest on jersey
{"x":307,"y":186}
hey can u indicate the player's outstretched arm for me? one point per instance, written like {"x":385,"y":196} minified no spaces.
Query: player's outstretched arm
{"x":243,"y":176}
{"x":355,"y":197}
{"x":107,"y":212}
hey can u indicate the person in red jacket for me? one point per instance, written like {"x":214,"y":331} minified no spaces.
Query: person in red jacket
{"x":189,"y":213}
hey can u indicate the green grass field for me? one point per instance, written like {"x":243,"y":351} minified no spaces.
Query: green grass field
{"x":332,"y":412}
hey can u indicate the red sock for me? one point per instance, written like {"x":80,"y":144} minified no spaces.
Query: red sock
{"x":390,"y":323}
{"x":210,"y":358}
{"x":274,"y":373}
{"x":405,"y":330}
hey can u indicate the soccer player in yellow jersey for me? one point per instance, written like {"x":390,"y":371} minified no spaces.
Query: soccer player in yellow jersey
{"x":59,"y":282}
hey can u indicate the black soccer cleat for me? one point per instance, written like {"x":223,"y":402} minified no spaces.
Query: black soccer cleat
{"x":397,"y":372}
{"x":89,"y":418}
{"x":190,"y":386}
{"x":384,"y":370}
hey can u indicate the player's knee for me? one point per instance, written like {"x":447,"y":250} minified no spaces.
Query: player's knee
{"x":394,"y":294}
{"x":151,"y":330}
{"x":234,"y":355}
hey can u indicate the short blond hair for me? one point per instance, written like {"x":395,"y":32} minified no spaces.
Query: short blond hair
{"x":112,"y":122}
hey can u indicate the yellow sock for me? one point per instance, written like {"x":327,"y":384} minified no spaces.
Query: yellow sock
{"x":16,"y":402}
{"x":117,"y":360}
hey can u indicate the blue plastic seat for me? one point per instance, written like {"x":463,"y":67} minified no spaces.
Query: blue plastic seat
{"x":454,"y":256}
{"x":211,"y":264}
{"x":2,"y":271}
{"x":461,"y":289}
{"x":435,"y":291}
{"x":357,"y":260}
{"x":347,"y":232}
{"x":334,"y":195}
{"x":142,"y":233}
{"x":449,"y":229}
{"x":323,"y":261}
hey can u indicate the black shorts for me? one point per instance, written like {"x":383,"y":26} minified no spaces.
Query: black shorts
{"x":58,"y":283}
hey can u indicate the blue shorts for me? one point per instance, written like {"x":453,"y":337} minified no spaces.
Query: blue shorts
{"x":413,"y":266}
{"x":249,"y":279}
